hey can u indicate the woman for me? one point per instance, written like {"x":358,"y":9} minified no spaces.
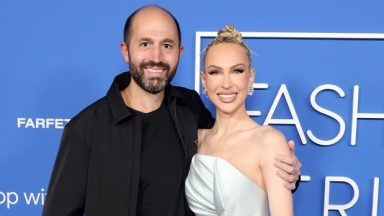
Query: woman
{"x":232,"y":173}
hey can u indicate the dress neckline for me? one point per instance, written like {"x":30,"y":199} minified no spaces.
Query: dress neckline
{"x":233,"y":167}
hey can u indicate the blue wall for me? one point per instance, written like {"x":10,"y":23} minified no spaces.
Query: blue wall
{"x":56,"y":57}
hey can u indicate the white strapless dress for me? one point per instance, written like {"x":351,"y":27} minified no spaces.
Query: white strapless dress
{"x":214,"y":187}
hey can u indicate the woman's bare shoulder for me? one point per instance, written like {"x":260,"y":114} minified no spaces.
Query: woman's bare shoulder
{"x":270,"y":137}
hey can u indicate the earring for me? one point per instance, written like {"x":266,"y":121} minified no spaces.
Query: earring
{"x":205,"y":92}
{"x":250,"y":90}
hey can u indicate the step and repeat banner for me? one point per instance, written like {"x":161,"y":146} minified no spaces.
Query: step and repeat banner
{"x":319,"y":79}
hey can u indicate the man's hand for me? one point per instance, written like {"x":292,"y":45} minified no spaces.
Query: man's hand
{"x":289,"y":167}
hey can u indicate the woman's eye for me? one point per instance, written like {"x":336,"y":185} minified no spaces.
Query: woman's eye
{"x":238,"y":71}
{"x":213,"y":72}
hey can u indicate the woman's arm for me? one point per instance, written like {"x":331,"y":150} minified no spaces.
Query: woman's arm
{"x":279,"y":197}
{"x":289,"y":168}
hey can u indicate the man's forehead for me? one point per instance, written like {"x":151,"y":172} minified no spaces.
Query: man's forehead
{"x":152,"y":13}
{"x":151,"y":24}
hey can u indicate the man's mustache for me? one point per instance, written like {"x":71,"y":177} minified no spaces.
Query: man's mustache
{"x":161,"y":65}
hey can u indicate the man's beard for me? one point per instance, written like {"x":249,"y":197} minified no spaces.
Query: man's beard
{"x":152,"y":85}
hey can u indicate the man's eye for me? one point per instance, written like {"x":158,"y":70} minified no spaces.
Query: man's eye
{"x":167,"y":46}
{"x":144,"y":44}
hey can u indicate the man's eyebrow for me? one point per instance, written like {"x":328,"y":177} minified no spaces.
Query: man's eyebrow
{"x":145,"y":39}
{"x":168,"y":40}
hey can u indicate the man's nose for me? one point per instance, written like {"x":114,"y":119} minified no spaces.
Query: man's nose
{"x":156,"y":54}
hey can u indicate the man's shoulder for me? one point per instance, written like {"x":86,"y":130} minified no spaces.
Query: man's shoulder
{"x":182,"y":90}
{"x":185,"y":94}
{"x":89,"y":114}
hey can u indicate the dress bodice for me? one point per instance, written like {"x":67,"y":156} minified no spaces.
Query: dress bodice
{"x":214,"y":187}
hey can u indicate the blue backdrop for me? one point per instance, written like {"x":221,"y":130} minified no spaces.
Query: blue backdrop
{"x":325,"y":91}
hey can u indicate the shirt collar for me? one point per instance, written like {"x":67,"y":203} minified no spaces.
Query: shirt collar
{"x":115,"y":100}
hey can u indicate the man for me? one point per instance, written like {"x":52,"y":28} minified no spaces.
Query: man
{"x":129,"y":152}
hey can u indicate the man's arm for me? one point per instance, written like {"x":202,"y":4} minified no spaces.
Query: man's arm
{"x":66,"y":191}
{"x":289,"y":168}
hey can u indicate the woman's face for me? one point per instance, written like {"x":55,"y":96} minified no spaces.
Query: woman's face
{"x":226,"y":76}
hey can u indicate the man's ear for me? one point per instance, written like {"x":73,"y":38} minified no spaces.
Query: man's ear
{"x":124,"y":51}
{"x":181,"y":50}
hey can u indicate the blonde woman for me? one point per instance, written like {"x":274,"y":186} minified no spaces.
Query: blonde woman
{"x":232,"y":173}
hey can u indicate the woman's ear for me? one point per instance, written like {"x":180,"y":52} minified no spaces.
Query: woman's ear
{"x":202,"y":77}
{"x":252,"y":75}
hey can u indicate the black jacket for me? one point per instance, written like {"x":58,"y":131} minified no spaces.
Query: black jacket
{"x":97,"y":166}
